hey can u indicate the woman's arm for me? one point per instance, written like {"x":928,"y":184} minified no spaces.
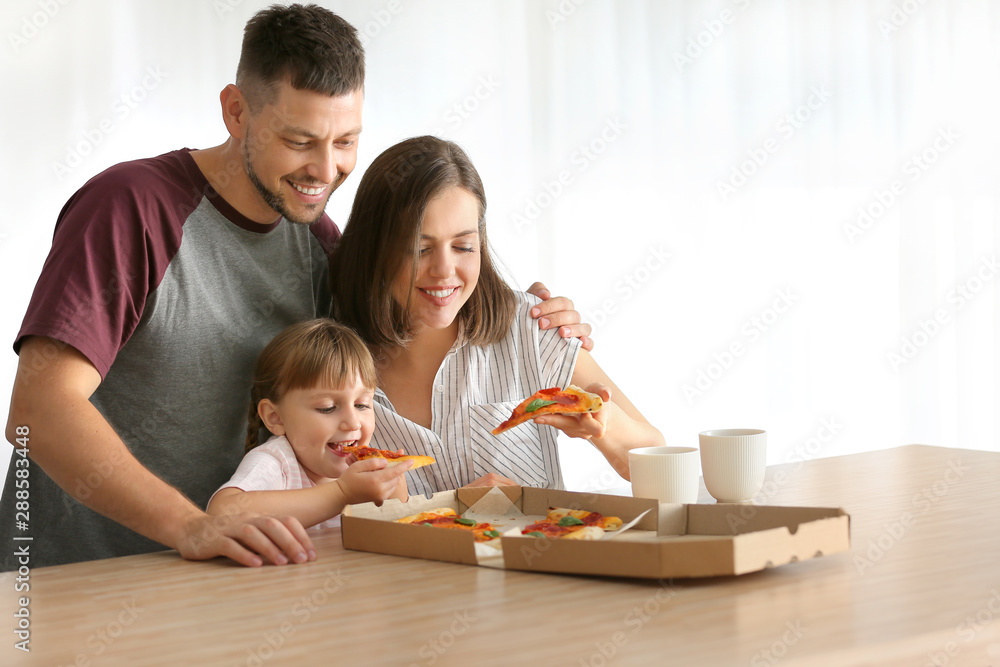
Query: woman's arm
{"x":363,"y":481}
{"x":617,"y":428}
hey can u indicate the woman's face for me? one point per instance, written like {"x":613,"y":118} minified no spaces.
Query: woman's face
{"x":448,"y":262}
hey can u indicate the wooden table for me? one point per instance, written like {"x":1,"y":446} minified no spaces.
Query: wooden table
{"x":920,"y":586}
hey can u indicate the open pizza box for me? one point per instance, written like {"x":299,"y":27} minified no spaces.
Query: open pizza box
{"x":667,"y":541}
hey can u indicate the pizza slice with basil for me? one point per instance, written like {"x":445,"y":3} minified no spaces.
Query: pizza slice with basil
{"x":571,"y":400}
{"x":362,"y":453}
{"x":570,"y":524}
{"x":445,"y":517}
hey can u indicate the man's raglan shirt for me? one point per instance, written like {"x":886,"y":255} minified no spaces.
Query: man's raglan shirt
{"x":171,"y":294}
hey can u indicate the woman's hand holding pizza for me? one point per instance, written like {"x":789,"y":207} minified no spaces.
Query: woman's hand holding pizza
{"x":586,"y":425}
{"x":613,"y":428}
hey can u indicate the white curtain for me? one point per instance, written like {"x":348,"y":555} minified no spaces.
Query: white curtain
{"x":779,"y":215}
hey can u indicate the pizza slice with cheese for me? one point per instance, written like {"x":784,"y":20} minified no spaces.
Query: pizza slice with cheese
{"x":445,"y":517}
{"x":571,"y":400}
{"x":570,"y":524}
{"x":362,"y":453}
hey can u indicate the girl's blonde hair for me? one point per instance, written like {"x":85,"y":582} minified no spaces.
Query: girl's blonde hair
{"x":303,"y":356}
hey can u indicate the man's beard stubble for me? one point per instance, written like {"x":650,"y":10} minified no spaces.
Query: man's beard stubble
{"x":275,"y":200}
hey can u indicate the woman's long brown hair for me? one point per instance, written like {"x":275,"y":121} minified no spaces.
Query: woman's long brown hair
{"x":383,"y":233}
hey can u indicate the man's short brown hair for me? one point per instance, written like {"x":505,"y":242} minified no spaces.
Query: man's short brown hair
{"x":309,"y":46}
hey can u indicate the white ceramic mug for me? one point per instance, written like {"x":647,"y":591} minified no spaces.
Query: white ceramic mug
{"x":733,"y":461}
{"x":669,"y":474}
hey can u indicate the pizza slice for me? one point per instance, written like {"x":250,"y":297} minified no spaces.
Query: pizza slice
{"x":445,"y":517}
{"x":588,"y":518}
{"x":362,"y":453}
{"x":571,"y":400}
{"x":569,"y":524}
{"x":429,"y":515}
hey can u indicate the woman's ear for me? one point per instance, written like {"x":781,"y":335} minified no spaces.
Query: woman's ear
{"x":271,"y":416}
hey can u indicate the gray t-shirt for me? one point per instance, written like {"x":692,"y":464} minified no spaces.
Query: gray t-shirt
{"x":171,"y":294}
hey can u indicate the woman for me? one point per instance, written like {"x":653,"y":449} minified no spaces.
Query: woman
{"x":454,"y":345}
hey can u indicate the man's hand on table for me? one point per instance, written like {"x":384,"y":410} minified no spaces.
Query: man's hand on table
{"x":69,"y":435}
{"x":557,"y":312}
{"x":246,"y":538}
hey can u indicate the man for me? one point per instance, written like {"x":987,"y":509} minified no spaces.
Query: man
{"x":166,"y":277}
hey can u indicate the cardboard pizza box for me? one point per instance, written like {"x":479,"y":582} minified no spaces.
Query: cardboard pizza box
{"x":670,"y":541}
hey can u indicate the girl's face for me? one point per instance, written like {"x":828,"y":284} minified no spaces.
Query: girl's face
{"x":448,"y":264}
{"x":319,"y":422}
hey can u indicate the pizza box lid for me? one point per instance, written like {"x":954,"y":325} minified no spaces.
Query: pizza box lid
{"x":671,"y":541}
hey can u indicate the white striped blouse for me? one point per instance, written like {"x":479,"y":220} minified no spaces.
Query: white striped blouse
{"x":475,"y":389}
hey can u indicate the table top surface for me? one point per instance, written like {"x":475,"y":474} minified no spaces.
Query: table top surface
{"x":920,"y":586}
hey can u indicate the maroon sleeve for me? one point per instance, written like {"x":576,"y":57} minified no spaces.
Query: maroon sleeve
{"x":113,"y":241}
{"x":327,"y":233}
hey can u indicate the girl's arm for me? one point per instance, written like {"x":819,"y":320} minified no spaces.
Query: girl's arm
{"x":363,"y":481}
{"x":617,"y":428}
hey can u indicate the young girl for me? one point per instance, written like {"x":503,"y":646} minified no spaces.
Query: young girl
{"x":455,"y":346}
{"x":312,"y":389}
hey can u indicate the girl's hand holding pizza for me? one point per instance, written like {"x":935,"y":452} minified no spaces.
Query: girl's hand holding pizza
{"x":372,"y":480}
{"x":402,"y":493}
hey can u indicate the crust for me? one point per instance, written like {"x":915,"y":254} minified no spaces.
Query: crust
{"x":585,"y":533}
{"x":418,"y":461}
{"x":440,"y":511}
{"x":611,"y":523}
{"x":588,"y":402}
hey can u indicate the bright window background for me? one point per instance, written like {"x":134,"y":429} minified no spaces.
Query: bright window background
{"x":692,"y":173}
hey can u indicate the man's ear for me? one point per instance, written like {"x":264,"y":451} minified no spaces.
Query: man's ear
{"x":235,"y":111}
{"x":271,"y":416}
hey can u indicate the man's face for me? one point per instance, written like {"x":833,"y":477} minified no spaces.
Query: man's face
{"x":300,"y":147}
